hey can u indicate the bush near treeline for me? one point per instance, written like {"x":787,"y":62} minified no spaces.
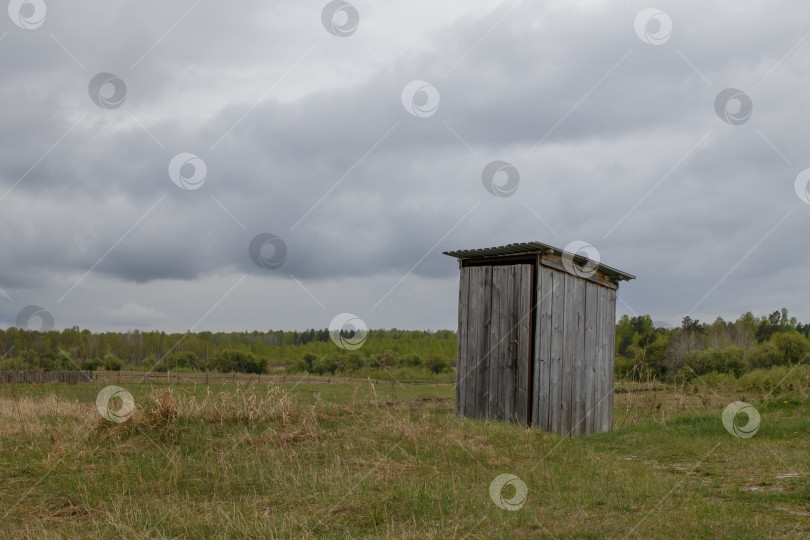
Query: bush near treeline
{"x":642,"y":350}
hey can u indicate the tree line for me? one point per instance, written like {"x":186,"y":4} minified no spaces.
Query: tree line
{"x":642,"y":349}
{"x":417,"y":353}
{"x":697,"y":348}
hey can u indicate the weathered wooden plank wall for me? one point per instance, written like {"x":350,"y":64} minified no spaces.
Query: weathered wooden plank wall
{"x":542,"y":355}
{"x":591,"y":355}
{"x":573,"y":362}
{"x":557,"y":339}
{"x":462,"y":361}
{"x":474,"y":324}
{"x":500,"y":344}
{"x":606,"y":331}
{"x":500,"y":292}
{"x":578,"y":397}
{"x":485,"y":320}
{"x":522,"y":349}
{"x":568,"y":315}
{"x":610,"y":330}
{"x":494,"y":342}
{"x":572,"y":355}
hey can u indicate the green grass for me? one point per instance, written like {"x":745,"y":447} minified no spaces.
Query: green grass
{"x":340,"y":461}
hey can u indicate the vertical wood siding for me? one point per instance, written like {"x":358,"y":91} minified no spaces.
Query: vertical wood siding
{"x":570,"y":353}
{"x":495,"y":318}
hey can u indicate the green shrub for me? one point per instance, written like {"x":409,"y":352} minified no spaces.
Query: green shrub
{"x":110,"y":363}
{"x":301,"y":365}
{"x":13,"y":364}
{"x":412,"y":360}
{"x":149,"y":361}
{"x":726,"y":360}
{"x":160,"y":368}
{"x":91,"y":365}
{"x":350,"y":362}
{"x":187,"y":361}
{"x":624,"y":366}
{"x":765,"y":355}
{"x":297,"y":366}
{"x":231,"y":360}
{"x":437,"y":364}
{"x":324,"y":366}
{"x":768,"y":379}
{"x":44,"y":361}
{"x":792,"y":345}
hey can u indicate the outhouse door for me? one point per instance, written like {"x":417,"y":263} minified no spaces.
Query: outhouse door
{"x":496,"y":333}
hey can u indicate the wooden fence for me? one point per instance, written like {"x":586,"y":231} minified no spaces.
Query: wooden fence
{"x":45,"y":376}
{"x":130,"y":377}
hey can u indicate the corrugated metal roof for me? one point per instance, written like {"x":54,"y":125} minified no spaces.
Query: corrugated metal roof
{"x":527,"y":248}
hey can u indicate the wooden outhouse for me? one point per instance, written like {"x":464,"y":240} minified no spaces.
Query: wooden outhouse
{"x":536,"y":332}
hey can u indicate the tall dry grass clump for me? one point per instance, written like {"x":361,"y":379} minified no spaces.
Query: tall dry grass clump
{"x":267,"y":407}
{"x":38,"y":415}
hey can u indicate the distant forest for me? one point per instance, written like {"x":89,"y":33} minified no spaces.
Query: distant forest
{"x":415,"y":353}
{"x":642,"y":349}
{"x":699,"y":348}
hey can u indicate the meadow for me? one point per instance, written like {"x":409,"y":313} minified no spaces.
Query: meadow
{"x":392,"y":461}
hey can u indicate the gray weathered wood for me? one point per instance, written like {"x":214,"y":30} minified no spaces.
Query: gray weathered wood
{"x":37,"y":377}
{"x":557,"y":343}
{"x":591,"y":359}
{"x":604,"y":394}
{"x":609,"y":355}
{"x":524,"y":341}
{"x":514,"y":346}
{"x":462,"y":364}
{"x":599,"y":370}
{"x":555,"y":262}
{"x":569,"y":324}
{"x":535,"y":356}
{"x":507,"y":388}
{"x":482,"y":371}
{"x":495,"y":350}
{"x":559,"y":378}
{"x":474,"y":325}
{"x":509,"y":380}
{"x":578,"y":368}
{"x":542,"y":360}
{"x":545,"y":308}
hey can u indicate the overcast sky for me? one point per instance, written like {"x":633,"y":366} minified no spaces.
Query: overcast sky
{"x":146,"y":144}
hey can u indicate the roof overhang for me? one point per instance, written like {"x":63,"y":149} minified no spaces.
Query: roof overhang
{"x":510,"y":251}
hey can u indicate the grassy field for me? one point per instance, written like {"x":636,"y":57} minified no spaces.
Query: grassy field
{"x":342,"y":461}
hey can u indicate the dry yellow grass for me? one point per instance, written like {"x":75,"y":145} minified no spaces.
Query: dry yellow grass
{"x":265,"y":462}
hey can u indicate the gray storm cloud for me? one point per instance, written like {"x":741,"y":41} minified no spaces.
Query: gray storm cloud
{"x":304,"y":135}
